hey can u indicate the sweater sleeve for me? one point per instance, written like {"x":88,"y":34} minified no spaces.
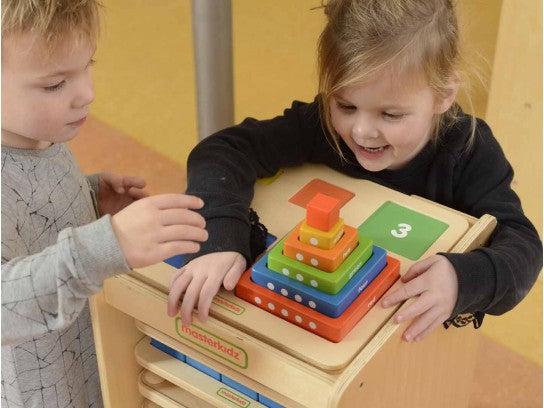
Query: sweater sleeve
{"x":496,"y":278}
{"x":46,"y":291}
{"x":223,"y":168}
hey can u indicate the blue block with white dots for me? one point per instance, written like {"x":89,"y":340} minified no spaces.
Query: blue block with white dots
{"x":239,"y":387}
{"x":329,"y":305}
{"x":168,"y":350}
{"x":204,"y":368}
{"x":268,"y":402}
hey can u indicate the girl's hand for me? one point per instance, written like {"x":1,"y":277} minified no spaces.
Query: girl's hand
{"x":200,"y":280}
{"x":116,"y":192}
{"x":158,"y":227}
{"x":433,"y":282}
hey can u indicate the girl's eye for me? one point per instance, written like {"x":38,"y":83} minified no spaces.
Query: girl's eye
{"x":55,"y":87}
{"x":345,"y":107}
{"x":393,"y":116}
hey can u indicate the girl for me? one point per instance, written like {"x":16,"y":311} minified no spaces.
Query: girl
{"x":389,"y":72}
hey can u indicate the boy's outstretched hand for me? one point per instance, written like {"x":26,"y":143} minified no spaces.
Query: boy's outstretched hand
{"x":158,"y":227}
{"x":433,"y":282}
{"x":200,"y":280}
{"x":116,"y":192}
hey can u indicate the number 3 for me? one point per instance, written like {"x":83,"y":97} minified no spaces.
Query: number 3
{"x":402,"y":232}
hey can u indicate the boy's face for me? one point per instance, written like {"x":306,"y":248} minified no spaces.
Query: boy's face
{"x":45,"y":95}
{"x":385,"y":121}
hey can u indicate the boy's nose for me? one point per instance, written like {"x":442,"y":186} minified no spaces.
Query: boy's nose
{"x":85,"y":94}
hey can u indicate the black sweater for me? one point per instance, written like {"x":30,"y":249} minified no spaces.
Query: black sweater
{"x":223,"y":168}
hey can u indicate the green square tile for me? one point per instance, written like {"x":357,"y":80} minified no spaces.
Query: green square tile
{"x":328,"y":282}
{"x":401,"y":230}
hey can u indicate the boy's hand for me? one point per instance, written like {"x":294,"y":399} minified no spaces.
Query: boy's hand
{"x":434,"y":282}
{"x":201,"y":279}
{"x":116,"y":192}
{"x":158,"y":227}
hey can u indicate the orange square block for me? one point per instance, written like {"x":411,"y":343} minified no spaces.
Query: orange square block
{"x":327,"y":260}
{"x":333,"y":329}
{"x":323,"y":211}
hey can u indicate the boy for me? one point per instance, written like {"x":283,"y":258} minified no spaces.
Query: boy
{"x":55,"y":252}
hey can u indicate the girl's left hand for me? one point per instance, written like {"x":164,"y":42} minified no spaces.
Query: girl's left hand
{"x":433,"y":282}
{"x":116,"y":192}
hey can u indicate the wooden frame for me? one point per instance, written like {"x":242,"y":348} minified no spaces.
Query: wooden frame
{"x":371,"y":366}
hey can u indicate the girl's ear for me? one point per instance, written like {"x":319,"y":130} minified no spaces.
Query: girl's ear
{"x":446,"y":99}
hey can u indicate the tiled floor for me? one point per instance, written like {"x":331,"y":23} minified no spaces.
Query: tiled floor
{"x":503,"y":378}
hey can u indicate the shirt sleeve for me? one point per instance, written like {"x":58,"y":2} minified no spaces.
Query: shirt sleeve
{"x":495,"y":278}
{"x":46,"y":291}
{"x":223,"y":168}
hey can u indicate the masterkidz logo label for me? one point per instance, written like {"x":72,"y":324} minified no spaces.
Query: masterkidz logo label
{"x":213,"y":344}
{"x":228,"y":305}
{"x":233,"y":397}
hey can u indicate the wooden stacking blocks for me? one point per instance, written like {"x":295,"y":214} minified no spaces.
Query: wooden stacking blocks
{"x":323,"y":276}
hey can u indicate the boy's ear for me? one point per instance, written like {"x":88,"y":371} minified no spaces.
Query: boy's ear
{"x":444,"y":102}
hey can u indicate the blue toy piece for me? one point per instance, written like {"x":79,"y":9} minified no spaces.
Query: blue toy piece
{"x":204,"y":368}
{"x":239,"y":387}
{"x":329,"y":305}
{"x":168,"y":350}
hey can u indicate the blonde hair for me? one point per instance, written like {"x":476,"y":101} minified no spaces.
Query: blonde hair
{"x":52,"y":19}
{"x":364,"y":37}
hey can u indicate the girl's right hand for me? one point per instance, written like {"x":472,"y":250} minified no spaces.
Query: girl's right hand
{"x":158,"y":227}
{"x":200,"y":280}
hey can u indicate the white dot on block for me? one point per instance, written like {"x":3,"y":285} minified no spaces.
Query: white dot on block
{"x":258,"y":300}
{"x":271,"y":306}
{"x":299,"y":256}
{"x":270,"y":285}
{"x":314,"y":262}
{"x":284,"y":312}
{"x":314,"y":241}
{"x":300,"y":277}
{"x":298,"y":319}
{"x":298,"y":298}
{"x":284,"y":292}
{"x":312,"y":325}
{"x":313,"y":283}
{"x":312,"y":304}
{"x":285,"y":271}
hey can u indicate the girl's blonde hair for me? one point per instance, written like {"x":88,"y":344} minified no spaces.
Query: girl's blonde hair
{"x":53,"y":20}
{"x":364,"y":37}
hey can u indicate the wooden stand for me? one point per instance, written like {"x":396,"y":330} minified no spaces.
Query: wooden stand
{"x":371,"y":367}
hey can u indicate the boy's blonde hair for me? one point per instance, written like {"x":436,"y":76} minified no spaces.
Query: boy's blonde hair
{"x":364,"y":37}
{"x":52,"y":19}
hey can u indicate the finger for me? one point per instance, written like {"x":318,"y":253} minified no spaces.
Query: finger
{"x":176,"y":289}
{"x":235,"y":272}
{"x":420,"y":306}
{"x":419,"y":325}
{"x":175,"y":276}
{"x":189,"y":300}
{"x":169,"y":249}
{"x":406,"y":291}
{"x":133,"y":181}
{"x":165,"y":201}
{"x":137,"y":193}
{"x":438,"y":322}
{"x":116,"y":183}
{"x":179,"y":216}
{"x":418,"y":268}
{"x":182,"y":233}
{"x":209,"y":290}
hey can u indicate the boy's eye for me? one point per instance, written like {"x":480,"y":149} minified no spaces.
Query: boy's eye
{"x":393,"y":116}
{"x":55,"y":87}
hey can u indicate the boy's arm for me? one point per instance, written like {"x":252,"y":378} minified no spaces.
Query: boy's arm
{"x":496,"y":278}
{"x":35,"y":300}
{"x":94,"y":183}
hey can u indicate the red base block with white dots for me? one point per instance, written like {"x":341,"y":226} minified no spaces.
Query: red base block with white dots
{"x":333,"y":329}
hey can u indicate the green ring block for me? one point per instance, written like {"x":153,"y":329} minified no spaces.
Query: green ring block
{"x":328,"y":282}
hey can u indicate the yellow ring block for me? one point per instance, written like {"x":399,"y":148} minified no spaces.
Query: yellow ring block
{"x":321,"y":239}
{"x":326,"y":260}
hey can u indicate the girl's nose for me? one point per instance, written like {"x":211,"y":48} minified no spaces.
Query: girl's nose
{"x":364,"y":129}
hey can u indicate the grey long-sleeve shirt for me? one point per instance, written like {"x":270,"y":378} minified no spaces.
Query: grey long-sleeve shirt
{"x":55,"y":254}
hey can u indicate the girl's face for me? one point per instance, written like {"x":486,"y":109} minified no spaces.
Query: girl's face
{"x":387,"y":120}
